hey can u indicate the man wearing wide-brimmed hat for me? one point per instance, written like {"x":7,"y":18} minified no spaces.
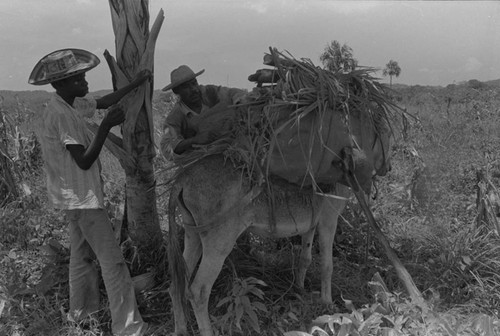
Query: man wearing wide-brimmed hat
{"x":181,"y":125}
{"x":74,"y":185}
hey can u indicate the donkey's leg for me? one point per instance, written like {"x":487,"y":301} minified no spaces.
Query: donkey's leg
{"x":305,"y":256}
{"x":327,"y":226}
{"x":326,"y":234}
{"x":217,"y":245}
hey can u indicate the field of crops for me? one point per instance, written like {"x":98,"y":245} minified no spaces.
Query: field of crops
{"x":438,"y":207}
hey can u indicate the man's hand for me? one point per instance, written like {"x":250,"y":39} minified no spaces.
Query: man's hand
{"x":205,"y":138}
{"x":116,"y":96}
{"x":142,"y":76}
{"x":114,"y":116}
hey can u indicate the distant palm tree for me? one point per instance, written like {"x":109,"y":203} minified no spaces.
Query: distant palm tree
{"x":392,"y":69}
{"x":338,"y":58}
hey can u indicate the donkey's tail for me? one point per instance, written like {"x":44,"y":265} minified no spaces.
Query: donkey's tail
{"x":176,"y":263}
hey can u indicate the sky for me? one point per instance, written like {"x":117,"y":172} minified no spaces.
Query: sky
{"x":434,"y":42}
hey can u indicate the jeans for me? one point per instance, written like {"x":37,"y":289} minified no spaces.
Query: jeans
{"x":91,"y":235}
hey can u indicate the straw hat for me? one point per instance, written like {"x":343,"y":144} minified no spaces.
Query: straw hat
{"x":181,"y":75}
{"x":62,"y":64}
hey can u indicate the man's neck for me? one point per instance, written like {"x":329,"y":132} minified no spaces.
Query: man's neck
{"x":67,"y":98}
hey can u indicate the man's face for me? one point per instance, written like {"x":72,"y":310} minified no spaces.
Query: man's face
{"x":76,"y":85}
{"x":189,"y":92}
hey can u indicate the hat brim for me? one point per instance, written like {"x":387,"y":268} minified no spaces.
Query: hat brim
{"x":175,"y":84}
{"x":85,"y":62}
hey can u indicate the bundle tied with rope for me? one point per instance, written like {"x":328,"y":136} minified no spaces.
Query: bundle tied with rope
{"x":297,"y":127}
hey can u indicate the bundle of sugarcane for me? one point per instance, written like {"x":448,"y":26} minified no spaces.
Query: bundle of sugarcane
{"x":305,"y":119}
{"x":298,"y":126}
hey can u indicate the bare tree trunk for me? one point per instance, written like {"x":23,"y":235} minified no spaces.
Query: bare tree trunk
{"x":134,"y":52}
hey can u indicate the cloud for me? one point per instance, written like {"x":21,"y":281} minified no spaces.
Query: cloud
{"x":260,"y":7}
{"x":430,"y":73}
{"x":278,"y":7}
{"x":350,"y":7}
{"x":472,"y":64}
{"x":430,"y":76}
{"x":338,"y":6}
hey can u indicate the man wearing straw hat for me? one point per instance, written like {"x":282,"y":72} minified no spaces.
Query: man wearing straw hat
{"x":74,"y":185}
{"x":195,"y":100}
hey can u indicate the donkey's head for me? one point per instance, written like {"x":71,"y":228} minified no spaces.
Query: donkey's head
{"x":371,"y":137}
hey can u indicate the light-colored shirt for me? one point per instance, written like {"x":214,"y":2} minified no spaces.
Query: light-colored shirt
{"x":69,"y":186}
{"x":182,"y":122}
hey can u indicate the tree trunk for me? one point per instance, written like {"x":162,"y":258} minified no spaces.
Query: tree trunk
{"x":134,"y":52}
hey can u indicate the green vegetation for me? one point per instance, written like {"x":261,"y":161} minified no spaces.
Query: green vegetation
{"x":437,"y":206}
{"x":336,"y":57}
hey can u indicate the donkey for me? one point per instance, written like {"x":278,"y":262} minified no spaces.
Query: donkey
{"x":217,"y":205}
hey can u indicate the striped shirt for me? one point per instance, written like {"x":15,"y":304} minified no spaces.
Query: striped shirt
{"x":69,"y":186}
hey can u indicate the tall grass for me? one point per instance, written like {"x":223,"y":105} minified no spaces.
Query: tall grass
{"x":427,"y":206}
{"x":429,"y":200}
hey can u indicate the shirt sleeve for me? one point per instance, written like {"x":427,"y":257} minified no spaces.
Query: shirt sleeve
{"x":222,"y":95}
{"x":68,"y":130}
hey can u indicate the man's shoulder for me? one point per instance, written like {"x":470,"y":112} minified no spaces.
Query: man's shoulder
{"x":213,"y":87}
{"x":215,"y":94}
{"x":55,"y":106}
{"x":220,"y":91}
{"x":210,"y":89}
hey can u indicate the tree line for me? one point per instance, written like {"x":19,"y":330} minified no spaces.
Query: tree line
{"x":339,"y":57}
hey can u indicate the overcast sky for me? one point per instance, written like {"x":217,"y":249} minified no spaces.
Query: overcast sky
{"x":434,"y":42}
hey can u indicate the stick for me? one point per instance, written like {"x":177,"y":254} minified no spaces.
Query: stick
{"x":403,"y":274}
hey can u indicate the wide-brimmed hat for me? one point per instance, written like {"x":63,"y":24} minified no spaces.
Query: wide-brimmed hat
{"x":62,"y":64}
{"x":181,"y":75}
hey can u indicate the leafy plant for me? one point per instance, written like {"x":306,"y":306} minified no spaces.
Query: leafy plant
{"x":27,"y":153}
{"x":397,"y":316}
{"x":240,"y":307}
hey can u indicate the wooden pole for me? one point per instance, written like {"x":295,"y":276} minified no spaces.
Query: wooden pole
{"x":401,"y":271}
